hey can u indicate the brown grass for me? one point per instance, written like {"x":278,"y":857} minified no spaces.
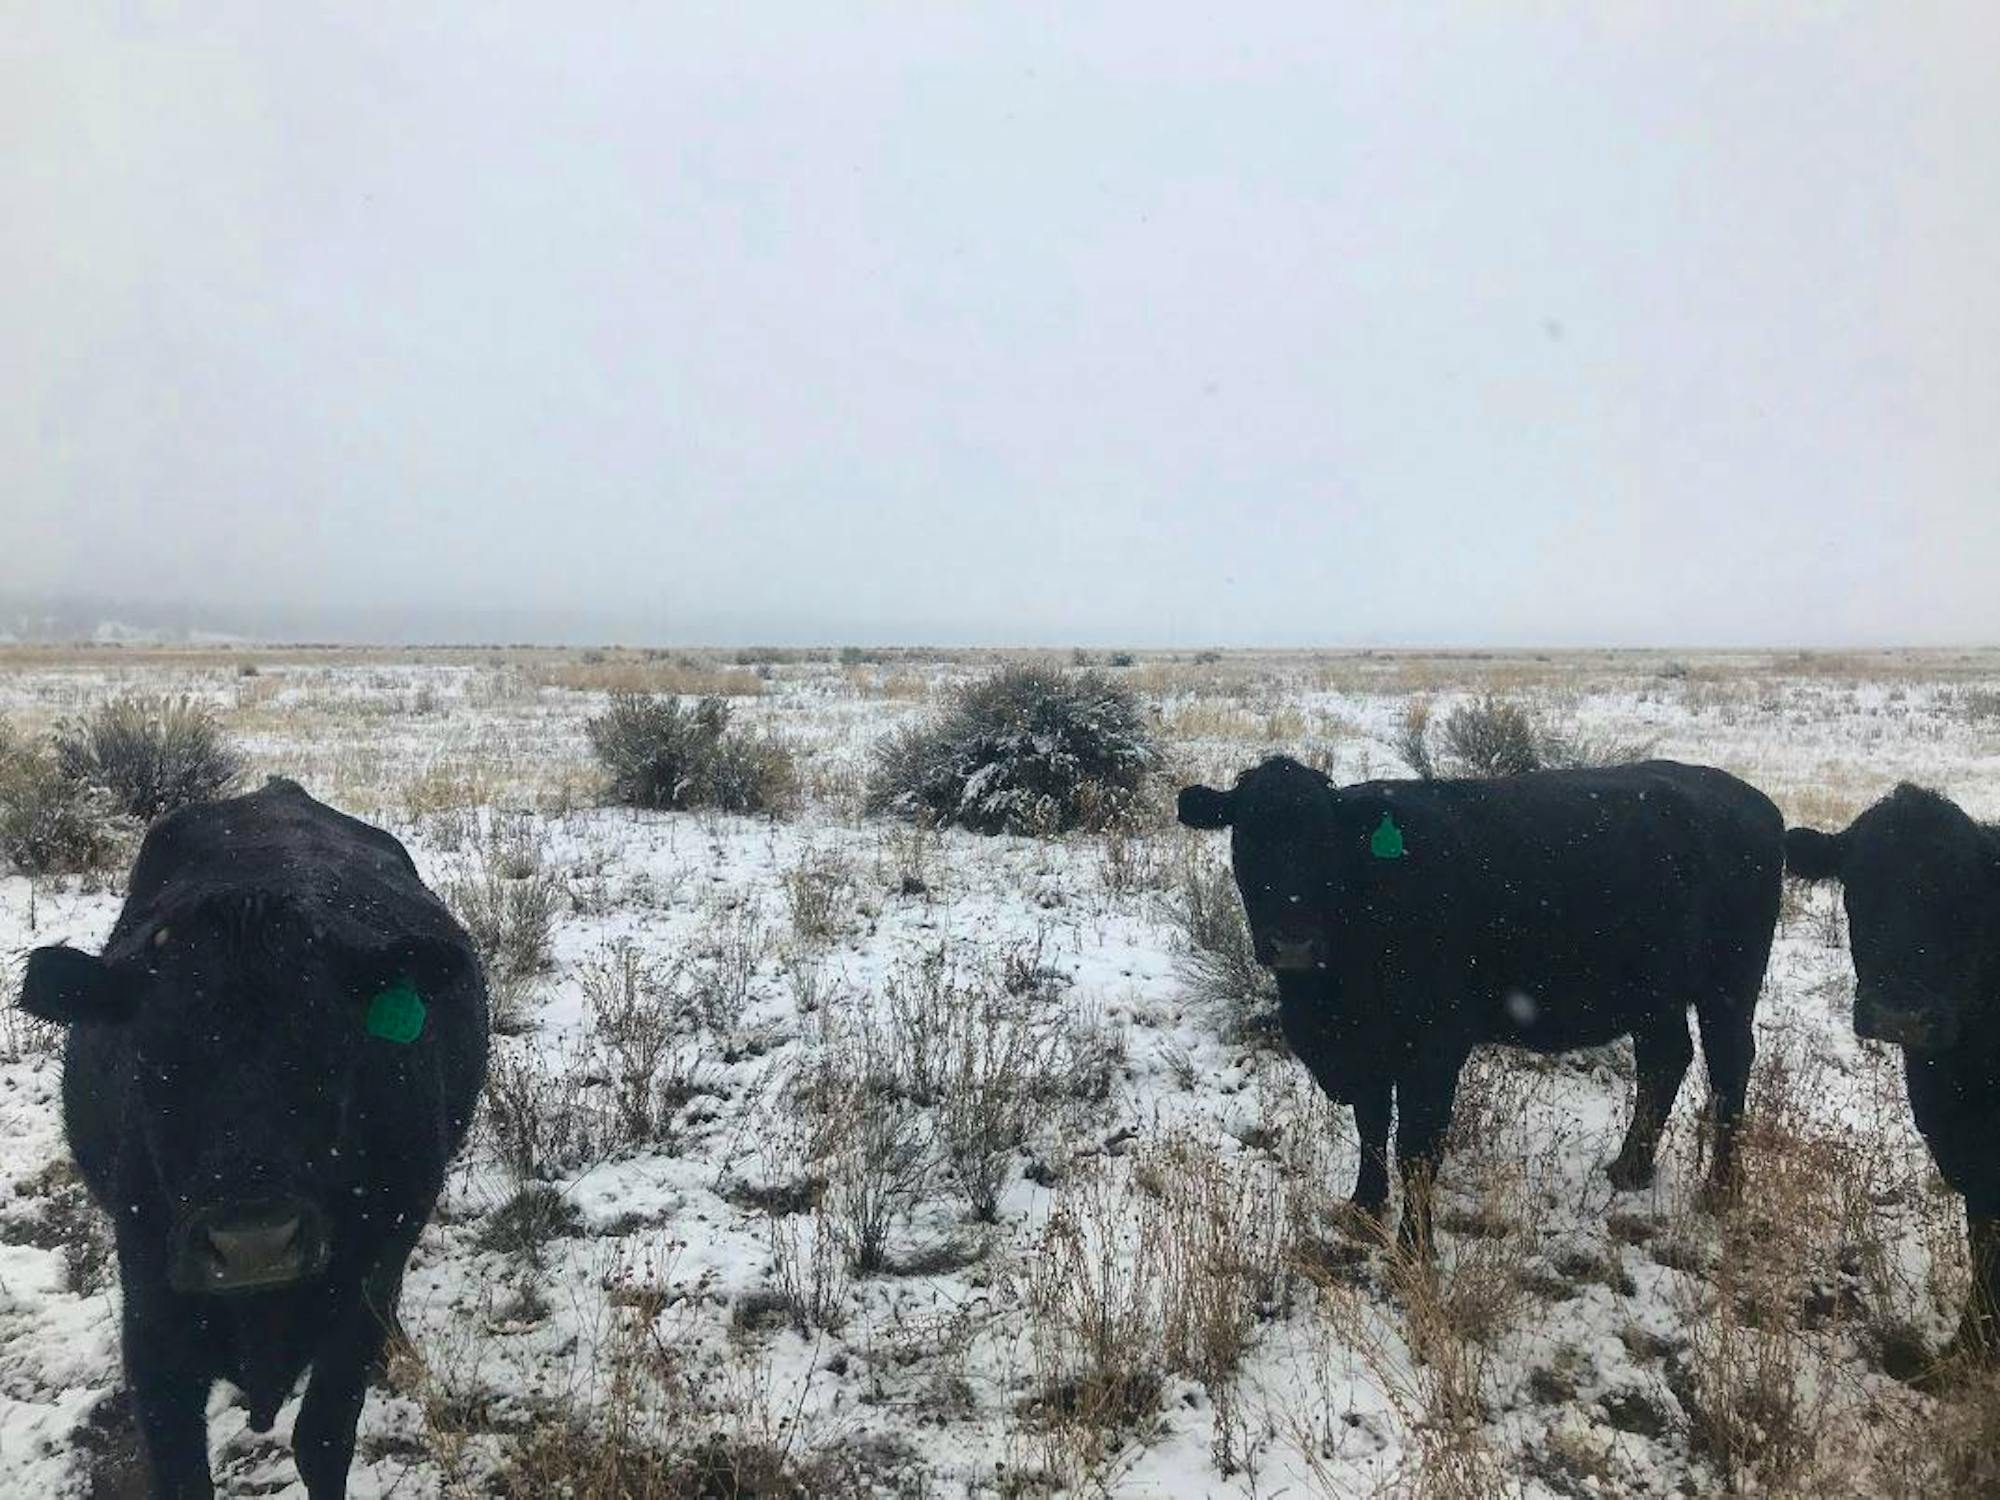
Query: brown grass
{"x":645,"y":675}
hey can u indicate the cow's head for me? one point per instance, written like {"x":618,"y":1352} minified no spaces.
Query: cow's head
{"x":1301,"y":850}
{"x":246,"y":1026}
{"x":1921,"y":882}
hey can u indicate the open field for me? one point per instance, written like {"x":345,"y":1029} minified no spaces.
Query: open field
{"x":1089,"y":1241}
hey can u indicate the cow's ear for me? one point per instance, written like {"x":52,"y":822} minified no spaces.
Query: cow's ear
{"x":1205,"y":807}
{"x":433,"y":965}
{"x":66,"y":985}
{"x":1812,"y":855}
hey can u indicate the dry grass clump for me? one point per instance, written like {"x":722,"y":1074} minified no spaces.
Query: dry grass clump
{"x":650,"y":672}
{"x":582,"y":1457}
{"x":818,"y":890}
{"x":639,"y":1038}
{"x":1001,"y":1060}
{"x":1809,"y":1270}
{"x":1217,"y":961}
{"x":810,"y":1266}
{"x":1167,"y":1270}
{"x":661,"y":754}
{"x":619,"y":1085}
{"x":150,"y":755}
{"x":507,"y":903}
{"x":1948,"y":1449}
{"x":943,"y":1084}
{"x":535,"y":1115}
{"x":1025,"y":749}
{"x":1431,"y":1355}
{"x":1091,"y":1298}
{"x":647,"y":1423}
{"x":534,"y":1215}
{"x":1221,"y":1248}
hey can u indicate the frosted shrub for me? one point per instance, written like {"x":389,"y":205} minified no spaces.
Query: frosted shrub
{"x":49,"y":822}
{"x":1026,"y":749}
{"x":1499,"y":737}
{"x":149,"y":755}
{"x":662,"y":754}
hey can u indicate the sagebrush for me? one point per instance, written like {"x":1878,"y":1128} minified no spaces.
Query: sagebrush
{"x":150,"y":755}
{"x":51,"y":823}
{"x":1493,"y":736}
{"x":1026,"y":749}
{"x":661,"y":753}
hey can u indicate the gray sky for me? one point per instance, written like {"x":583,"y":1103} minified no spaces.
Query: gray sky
{"x":1496,"y":323}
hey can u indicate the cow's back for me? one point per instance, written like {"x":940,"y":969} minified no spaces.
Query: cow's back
{"x":1597,"y":889}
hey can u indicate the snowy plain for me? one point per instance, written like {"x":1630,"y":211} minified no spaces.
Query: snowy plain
{"x":1593,"y":1336}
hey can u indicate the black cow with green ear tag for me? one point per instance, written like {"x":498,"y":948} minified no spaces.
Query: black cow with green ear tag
{"x":267,"y":1071}
{"x":1921,"y":884}
{"x":1409,"y":921}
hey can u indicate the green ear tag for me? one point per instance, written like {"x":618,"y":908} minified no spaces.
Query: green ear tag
{"x":397,"y":1014}
{"x":1386,"y":842}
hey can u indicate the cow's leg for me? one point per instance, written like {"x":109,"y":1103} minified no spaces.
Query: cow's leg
{"x":1728,"y":1049}
{"x":1299,"y":1012}
{"x":323,"y":1436}
{"x":1661,"y":1054}
{"x":1978,"y":1335}
{"x":384,"y":1295}
{"x":1424,"y":1098}
{"x":1371,"y":1125}
{"x":169,"y":1401}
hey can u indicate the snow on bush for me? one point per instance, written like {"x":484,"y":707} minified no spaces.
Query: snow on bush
{"x":51,"y":823}
{"x":663,"y":754}
{"x":151,"y":755}
{"x":1494,"y":736}
{"x":1026,"y":749}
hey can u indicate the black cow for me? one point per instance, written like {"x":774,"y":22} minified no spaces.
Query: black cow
{"x":1921,"y":882}
{"x":1410,"y":921}
{"x":267,"y":1070}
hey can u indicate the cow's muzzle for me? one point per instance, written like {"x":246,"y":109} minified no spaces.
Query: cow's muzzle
{"x":1294,"y":953}
{"x":250,"y":1246}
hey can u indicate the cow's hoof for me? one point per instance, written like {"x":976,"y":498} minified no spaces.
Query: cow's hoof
{"x":1717,"y":1197}
{"x":1936,"y":1378}
{"x":1954,"y":1365}
{"x":1419,"y":1250}
{"x":1630,"y":1176}
{"x":1362,"y":1219}
{"x":1967,"y":1353}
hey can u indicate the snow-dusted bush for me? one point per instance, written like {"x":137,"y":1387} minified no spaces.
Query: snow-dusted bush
{"x":1498,"y":737}
{"x":151,"y":755}
{"x":51,"y":823}
{"x":662,"y":754}
{"x":1026,"y":749}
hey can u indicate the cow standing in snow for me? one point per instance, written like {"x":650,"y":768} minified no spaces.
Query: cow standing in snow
{"x":1921,"y":883}
{"x":267,"y":1070}
{"x":1408,"y":922}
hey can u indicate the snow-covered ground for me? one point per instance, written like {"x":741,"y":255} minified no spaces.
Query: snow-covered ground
{"x":1162,"y":1300}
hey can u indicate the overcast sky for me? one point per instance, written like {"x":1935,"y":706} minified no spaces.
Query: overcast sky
{"x":1495,"y":323}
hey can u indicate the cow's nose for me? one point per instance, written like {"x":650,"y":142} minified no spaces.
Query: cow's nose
{"x":246,"y":1246}
{"x":255,"y":1243}
{"x":1296,"y":953}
